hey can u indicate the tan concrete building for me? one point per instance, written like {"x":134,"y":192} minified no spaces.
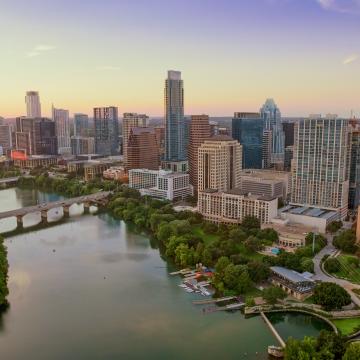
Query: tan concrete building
{"x":131,"y":120}
{"x":219,"y":163}
{"x":199,"y":132}
{"x":266,"y":182}
{"x":232,"y":206}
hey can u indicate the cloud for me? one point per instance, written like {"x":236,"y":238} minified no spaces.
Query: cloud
{"x":108,"y":67}
{"x":350,"y":59}
{"x":344,"y":6}
{"x":39,"y":49}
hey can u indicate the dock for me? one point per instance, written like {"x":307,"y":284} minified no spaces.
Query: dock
{"x":213,"y":301}
{"x":181,"y":272}
{"x":273,"y":330}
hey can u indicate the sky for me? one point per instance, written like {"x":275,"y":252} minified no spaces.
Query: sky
{"x":233,"y":54}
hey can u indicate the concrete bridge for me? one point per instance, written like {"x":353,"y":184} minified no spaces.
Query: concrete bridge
{"x":97,"y":199}
{"x":9,"y":181}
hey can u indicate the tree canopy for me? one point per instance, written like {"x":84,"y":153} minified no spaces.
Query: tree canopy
{"x":331,"y":296}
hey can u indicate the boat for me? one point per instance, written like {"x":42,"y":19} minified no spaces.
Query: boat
{"x":276,"y":351}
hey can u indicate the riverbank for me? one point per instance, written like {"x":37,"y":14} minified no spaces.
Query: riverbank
{"x":4,"y":267}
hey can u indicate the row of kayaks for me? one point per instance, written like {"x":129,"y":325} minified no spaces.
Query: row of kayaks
{"x":194,"y":289}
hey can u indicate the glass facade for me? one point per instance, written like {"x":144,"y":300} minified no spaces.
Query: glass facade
{"x":248,"y":130}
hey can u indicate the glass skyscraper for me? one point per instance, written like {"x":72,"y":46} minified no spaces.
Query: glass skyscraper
{"x":175,"y":129}
{"x":248,"y":128}
{"x":81,"y":125}
{"x":271,"y":116}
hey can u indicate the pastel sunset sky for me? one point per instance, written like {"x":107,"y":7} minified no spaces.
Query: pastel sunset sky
{"x":233,"y":54}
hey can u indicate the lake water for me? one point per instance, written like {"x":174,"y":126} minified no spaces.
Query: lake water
{"x":94,"y":288}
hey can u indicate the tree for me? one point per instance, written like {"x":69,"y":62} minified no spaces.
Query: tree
{"x":352,"y":352}
{"x":253,"y":244}
{"x":244,"y":282}
{"x":258,"y":271}
{"x":331,"y":296}
{"x":184,"y":255}
{"x":332,"y":265}
{"x":346,"y":241}
{"x":250,"y":222}
{"x":237,"y":235}
{"x":273,"y":293}
{"x":334,"y":226}
{"x":300,"y":349}
{"x":221,"y":265}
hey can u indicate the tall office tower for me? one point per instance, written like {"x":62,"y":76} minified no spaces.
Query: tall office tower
{"x":199,"y":132}
{"x":272,"y":121}
{"x":320,"y":167}
{"x":354,"y":189}
{"x":33,"y":106}
{"x":289,"y":153}
{"x":143,"y":149}
{"x":266,"y":149}
{"x":106,"y":123}
{"x":36,"y":136}
{"x":247,"y":129}
{"x":214,"y":128}
{"x":288,"y":128}
{"x":62,"y":128}
{"x":81,"y":125}
{"x":160,"y":138}
{"x":131,"y":120}
{"x":219,"y":163}
{"x":5,"y":138}
{"x":175,"y":138}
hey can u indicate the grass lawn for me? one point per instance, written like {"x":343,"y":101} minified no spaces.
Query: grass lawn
{"x":347,"y":326}
{"x":207,"y":238}
{"x":253,"y":293}
{"x":346,"y":270}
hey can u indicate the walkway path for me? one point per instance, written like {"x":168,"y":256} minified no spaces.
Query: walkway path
{"x":330,"y":249}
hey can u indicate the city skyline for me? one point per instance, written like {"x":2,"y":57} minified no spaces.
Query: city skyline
{"x":305,"y":55}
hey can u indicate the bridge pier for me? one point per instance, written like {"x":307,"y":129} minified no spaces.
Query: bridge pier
{"x":44,"y":219}
{"x":87,"y":207}
{"x":19,"y":221}
{"x":66,"y":210}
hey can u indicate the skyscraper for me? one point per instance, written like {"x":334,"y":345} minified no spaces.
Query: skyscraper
{"x":5,"y":138}
{"x":219,"y":163}
{"x":247,"y":129}
{"x":354,"y":190}
{"x":62,"y":128}
{"x":320,"y":167}
{"x":175,"y":138}
{"x":33,"y":106}
{"x":36,"y":136}
{"x":81,"y":125}
{"x":288,"y":128}
{"x":199,"y":132}
{"x":272,"y":122}
{"x":106,"y":123}
{"x":131,"y":120}
{"x":142,"y":149}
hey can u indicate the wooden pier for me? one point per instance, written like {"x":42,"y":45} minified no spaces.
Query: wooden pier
{"x":273,"y":330}
{"x":214,"y":301}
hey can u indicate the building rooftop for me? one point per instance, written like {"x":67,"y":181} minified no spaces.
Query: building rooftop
{"x":220,"y":138}
{"x":238,"y":191}
{"x":290,"y":275}
{"x":308,"y":211}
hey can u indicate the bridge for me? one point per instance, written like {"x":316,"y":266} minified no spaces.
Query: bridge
{"x":9,"y":181}
{"x":97,"y":199}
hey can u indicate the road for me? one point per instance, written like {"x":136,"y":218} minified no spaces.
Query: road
{"x":330,"y":249}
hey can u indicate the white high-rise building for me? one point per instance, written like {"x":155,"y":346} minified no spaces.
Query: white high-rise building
{"x":130,"y":121}
{"x":62,"y":130}
{"x":33,"y":106}
{"x":320,"y":166}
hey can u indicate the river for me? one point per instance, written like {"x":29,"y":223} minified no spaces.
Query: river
{"x":94,"y":288}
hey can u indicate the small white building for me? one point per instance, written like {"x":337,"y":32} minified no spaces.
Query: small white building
{"x":160,"y":184}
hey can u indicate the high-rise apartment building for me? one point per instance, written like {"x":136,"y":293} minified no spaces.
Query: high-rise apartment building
{"x":248,"y":129}
{"x":35,"y":136}
{"x":272,"y":122}
{"x":175,"y":137}
{"x":33,"y":106}
{"x":320,"y":167}
{"x":199,"y":132}
{"x":82,"y":145}
{"x":354,"y":189}
{"x":266,"y":148}
{"x":81,"y":125}
{"x":62,"y":128}
{"x":5,"y":138}
{"x":106,"y":123}
{"x":219,"y":163}
{"x":142,"y":149}
{"x":130,"y":121}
